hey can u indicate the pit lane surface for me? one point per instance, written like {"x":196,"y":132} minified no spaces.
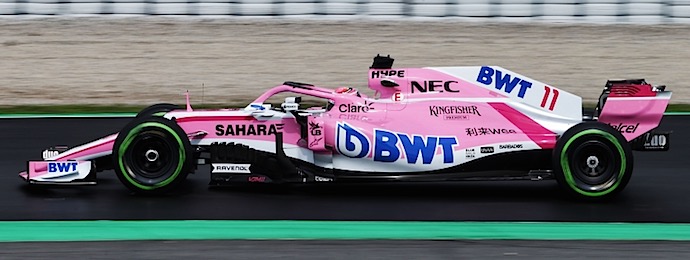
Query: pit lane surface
{"x":656,"y":193}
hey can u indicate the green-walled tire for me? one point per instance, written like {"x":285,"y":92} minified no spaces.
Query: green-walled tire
{"x":152,"y":155}
{"x":592,"y":161}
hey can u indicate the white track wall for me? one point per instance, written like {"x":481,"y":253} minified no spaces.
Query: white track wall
{"x":594,"y":11}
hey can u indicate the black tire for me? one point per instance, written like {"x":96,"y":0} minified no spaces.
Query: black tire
{"x":592,"y":161}
{"x":155,"y":109}
{"x":152,"y":155}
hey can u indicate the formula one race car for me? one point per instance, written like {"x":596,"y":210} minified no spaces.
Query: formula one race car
{"x":423,"y":124}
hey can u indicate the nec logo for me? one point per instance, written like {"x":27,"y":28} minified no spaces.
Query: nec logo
{"x":390,"y":146}
{"x":433,"y":86}
{"x":506,"y":82}
{"x":62,"y":166}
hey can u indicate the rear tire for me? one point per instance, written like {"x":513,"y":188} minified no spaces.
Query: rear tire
{"x":592,"y":161}
{"x":152,"y":155}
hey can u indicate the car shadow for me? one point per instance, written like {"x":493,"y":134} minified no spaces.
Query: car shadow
{"x":451,"y":190}
{"x":105,"y":187}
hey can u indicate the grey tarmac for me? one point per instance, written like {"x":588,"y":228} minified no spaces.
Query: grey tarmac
{"x":357,"y":249}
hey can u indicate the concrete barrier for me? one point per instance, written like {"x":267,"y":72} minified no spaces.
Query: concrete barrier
{"x":588,"y":11}
{"x":145,"y":59}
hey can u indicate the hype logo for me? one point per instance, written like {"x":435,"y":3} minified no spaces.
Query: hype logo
{"x":353,"y":143}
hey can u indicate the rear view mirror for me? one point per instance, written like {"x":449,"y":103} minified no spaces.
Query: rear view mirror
{"x":389,"y":83}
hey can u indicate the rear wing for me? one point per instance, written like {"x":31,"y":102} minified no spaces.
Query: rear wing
{"x":633,"y":107}
{"x":627,"y":87}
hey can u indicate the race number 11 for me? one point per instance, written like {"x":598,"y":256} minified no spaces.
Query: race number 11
{"x":547,"y":93}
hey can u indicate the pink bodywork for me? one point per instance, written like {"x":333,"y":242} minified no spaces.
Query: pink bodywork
{"x":82,"y":153}
{"x":448,"y":107}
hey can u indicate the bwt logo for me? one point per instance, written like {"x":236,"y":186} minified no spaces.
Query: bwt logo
{"x":487,"y":75}
{"x":353,"y":143}
{"x":62,"y":166}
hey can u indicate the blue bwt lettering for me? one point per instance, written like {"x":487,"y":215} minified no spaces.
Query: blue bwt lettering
{"x":352,"y":143}
{"x":416,"y":146}
{"x":62,"y":166}
{"x":384,"y":146}
{"x":488,"y":75}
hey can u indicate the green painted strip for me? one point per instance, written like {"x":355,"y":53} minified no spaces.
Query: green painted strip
{"x":16,"y":231}
{"x":677,"y":113}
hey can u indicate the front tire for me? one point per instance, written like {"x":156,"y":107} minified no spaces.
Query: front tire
{"x":152,"y":155}
{"x":593,"y":161}
{"x":157,"y":110}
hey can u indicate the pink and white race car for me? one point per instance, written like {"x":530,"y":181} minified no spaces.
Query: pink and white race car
{"x":423,"y":124}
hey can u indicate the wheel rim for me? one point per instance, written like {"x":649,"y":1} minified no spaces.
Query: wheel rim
{"x":150,"y":157}
{"x":609,"y":170}
{"x":594,"y":165}
{"x":137,"y":164}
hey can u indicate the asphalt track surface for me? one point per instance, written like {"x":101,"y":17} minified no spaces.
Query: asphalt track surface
{"x":363,"y":249}
{"x":657,"y":192}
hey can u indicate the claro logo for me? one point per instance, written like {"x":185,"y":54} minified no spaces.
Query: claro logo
{"x":356,"y":108}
